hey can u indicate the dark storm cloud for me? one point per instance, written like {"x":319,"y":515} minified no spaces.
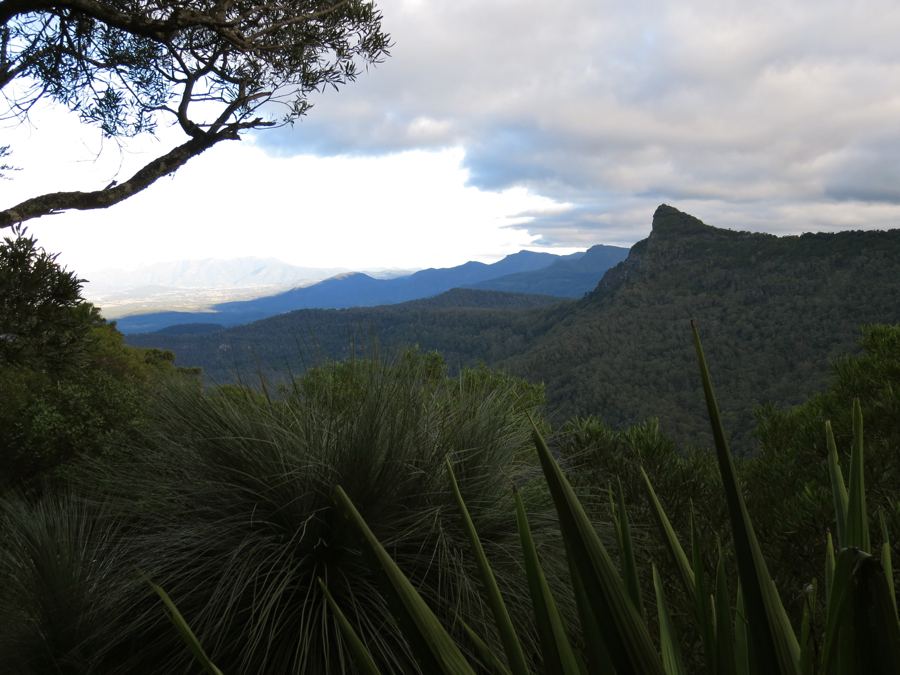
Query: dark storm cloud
{"x":769,"y":115}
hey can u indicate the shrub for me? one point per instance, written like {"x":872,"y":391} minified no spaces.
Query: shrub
{"x":232,"y":493}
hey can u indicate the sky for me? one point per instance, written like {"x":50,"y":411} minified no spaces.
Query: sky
{"x":498,"y":125}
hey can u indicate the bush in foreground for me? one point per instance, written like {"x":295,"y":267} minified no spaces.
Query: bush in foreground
{"x":226,"y":503}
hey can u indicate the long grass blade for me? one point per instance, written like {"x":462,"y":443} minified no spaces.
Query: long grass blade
{"x":838,"y":642}
{"x":555,"y":647}
{"x":702,"y":605}
{"x":507,"y":632}
{"x":807,"y":628}
{"x":724,"y":633}
{"x":876,"y":630}
{"x":838,"y":488}
{"x":625,"y":636}
{"x":595,"y":652}
{"x":435,"y":649}
{"x":185,"y":631}
{"x":670,"y":539}
{"x":361,"y":656}
{"x":886,"y":559}
{"x":671,"y":652}
{"x":743,"y":654}
{"x":857,"y":519}
{"x":626,"y":553}
{"x":829,"y":571}
{"x":775,"y":650}
{"x":485,"y":654}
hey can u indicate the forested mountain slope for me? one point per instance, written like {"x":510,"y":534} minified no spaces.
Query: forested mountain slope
{"x":772,"y":312}
{"x":465,"y":325}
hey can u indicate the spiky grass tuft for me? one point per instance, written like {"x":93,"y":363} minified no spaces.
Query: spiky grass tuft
{"x":234,"y":493}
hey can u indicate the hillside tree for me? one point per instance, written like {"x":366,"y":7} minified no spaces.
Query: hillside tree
{"x":40,"y":326}
{"x":216,"y":68}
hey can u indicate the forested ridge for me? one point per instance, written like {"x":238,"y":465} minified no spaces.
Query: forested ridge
{"x":465,"y":325}
{"x":773,"y":311}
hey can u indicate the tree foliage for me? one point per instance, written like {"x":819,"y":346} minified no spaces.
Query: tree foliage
{"x":43,"y":318}
{"x":69,"y":385}
{"x":217,"y":69}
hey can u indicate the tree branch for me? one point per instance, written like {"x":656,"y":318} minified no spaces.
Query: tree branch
{"x":159,"y":30}
{"x":57,"y":202}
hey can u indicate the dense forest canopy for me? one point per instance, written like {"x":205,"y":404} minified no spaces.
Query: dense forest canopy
{"x":774,"y":312}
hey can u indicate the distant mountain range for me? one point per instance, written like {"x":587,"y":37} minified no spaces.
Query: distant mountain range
{"x":570,"y":276}
{"x":772,"y":311}
{"x":565,"y":276}
{"x":196,"y":285}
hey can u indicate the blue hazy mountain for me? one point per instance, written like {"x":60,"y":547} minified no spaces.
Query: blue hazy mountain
{"x":569,"y":277}
{"x":354,"y":289}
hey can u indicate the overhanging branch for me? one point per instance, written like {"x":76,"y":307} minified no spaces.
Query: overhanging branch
{"x":57,"y":202}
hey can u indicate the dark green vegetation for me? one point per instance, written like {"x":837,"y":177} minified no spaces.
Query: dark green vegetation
{"x":776,"y":310}
{"x":69,"y":385}
{"x":223,"y":497}
{"x":861,"y":632}
{"x":222,"y":503}
{"x":39,"y":324}
{"x":289,"y":342}
{"x":786,"y":485}
{"x":190,"y":329}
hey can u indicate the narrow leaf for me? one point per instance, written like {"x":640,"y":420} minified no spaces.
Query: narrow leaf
{"x":876,"y":630}
{"x":595,"y":652}
{"x":701,"y":601}
{"x":807,"y":638}
{"x":775,"y":650}
{"x":838,"y":489}
{"x":626,"y":553}
{"x":857,"y":519}
{"x":625,"y":636}
{"x":555,"y":646}
{"x":507,"y":632}
{"x":742,"y":652}
{"x":185,"y":631}
{"x":724,"y":634}
{"x":670,"y":539}
{"x":435,"y":649}
{"x":886,"y":559}
{"x":671,"y":652}
{"x":485,"y":654}
{"x":838,"y":643}
{"x":829,"y":572}
{"x":361,"y":656}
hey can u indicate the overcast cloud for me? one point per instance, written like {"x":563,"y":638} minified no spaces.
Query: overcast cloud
{"x":781,"y":116}
{"x":501,"y":124}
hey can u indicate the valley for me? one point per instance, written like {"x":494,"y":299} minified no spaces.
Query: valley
{"x":773,"y":312}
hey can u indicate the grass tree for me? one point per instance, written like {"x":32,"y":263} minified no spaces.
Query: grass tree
{"x":227,"y":505}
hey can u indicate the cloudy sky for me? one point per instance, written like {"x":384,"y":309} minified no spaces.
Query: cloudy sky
{"x":501,"y":124}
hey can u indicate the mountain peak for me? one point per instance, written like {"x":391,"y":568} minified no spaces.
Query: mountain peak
{"x":669,"y":220}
